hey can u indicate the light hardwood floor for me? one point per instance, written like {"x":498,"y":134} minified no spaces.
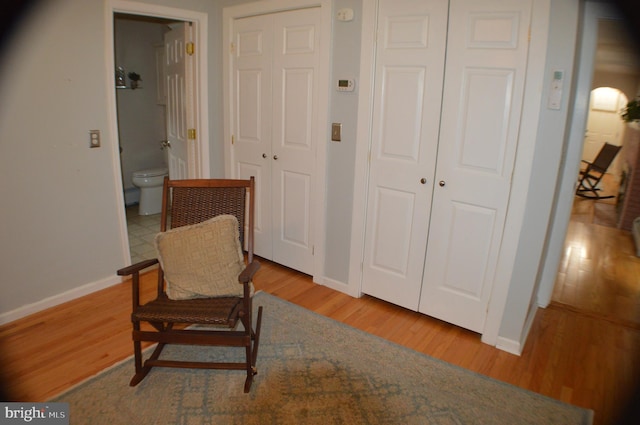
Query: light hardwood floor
{"x":585,"y":353}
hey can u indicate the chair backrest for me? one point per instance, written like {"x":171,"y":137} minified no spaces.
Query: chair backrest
{"x":605,"y":157}
{"x":186,"y":202}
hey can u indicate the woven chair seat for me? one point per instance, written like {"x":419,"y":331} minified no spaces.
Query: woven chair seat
{"x":205,"y":311}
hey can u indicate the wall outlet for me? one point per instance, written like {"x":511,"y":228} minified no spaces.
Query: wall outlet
{"x":94,"y":138}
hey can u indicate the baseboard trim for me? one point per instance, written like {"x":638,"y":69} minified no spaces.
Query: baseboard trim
{"x":58,"y":299}
{"x":509,"y":345}
{"x":338,"y":286}
{"x":516,"y":347}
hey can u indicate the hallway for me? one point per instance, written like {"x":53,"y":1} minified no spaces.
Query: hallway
{"x":599,"y":272}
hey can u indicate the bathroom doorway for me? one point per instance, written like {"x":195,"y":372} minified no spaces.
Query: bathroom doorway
{"x":141,"y":113}
{"x":140,"y":108}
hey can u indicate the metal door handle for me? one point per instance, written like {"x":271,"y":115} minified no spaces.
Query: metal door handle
{"x":165,"y":144}
{"x":275,"y":157}
{"x":441,"y":183}
{"x":423,"y":180}
{"x":264,"y":155}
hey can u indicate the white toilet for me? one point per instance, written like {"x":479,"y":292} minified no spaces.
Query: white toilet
{"x":150,"y":183}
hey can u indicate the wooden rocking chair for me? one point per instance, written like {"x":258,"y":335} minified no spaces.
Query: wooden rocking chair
{"x":198,"y":220}
{"x":594,"y":171}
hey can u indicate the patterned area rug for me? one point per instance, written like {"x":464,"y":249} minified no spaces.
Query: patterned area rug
{"x":312,"y":370}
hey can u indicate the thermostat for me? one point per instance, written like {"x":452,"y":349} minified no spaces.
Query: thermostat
{"x":346,"y":85}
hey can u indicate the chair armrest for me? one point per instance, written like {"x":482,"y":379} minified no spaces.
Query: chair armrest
{"x":135,"y":268}
{"x":248,"y":272}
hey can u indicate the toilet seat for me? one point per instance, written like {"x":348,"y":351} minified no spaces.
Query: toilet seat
{"x":151,"y":172}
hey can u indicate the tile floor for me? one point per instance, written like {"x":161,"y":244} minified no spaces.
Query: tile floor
{"x":142,"y":229}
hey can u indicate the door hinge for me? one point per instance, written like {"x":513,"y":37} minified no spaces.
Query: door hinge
{"x":191,"y":48}
{"x":233,"y":140}
{"x":232,"y":47}
{"x":191,"y":134}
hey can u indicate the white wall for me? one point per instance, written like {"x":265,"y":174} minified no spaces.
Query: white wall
{"x":552,"y":127}
{"x":60,"y":198}
{"x":341,"y":155}
{"x":58,"y":209}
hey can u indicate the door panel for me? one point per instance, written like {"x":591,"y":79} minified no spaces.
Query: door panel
{"x":408,"y":93}
{"x":484,"y":85}
{"x":295,"y":89}
{"x":177,"y":100}
{"x":252,"y":126}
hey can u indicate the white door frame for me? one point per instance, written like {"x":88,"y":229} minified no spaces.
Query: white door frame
{"x":201,"y":101}
{"x":565,"y":190}
{"x":521,"y":174}
{"x":231,"y":13}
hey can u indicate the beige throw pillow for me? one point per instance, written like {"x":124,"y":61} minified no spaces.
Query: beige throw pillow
{"x":202,"y":260}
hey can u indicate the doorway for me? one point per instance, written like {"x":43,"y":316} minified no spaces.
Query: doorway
{"x":143,"y":145}
{"x":593,"y":276}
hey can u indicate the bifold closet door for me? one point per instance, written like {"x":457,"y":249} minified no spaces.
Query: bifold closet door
{"x":487,"y":52}
{"x":406,"y":117}
{"x":444,"y":139}
{"x":276,"y":63}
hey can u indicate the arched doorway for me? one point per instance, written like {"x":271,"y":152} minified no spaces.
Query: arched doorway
{"x":604,"y":124}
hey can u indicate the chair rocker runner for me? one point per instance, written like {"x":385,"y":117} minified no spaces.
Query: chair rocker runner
{"x":594,"y":172}
{"x":202,"y":276}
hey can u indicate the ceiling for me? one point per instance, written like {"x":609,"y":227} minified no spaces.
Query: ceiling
{"x":616,"y":49}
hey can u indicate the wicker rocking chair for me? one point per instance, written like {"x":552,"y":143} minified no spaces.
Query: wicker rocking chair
{"x":197,"y":215}
{"x":592,"y":174}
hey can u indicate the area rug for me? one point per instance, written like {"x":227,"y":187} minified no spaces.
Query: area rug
{"x":312,"y":370}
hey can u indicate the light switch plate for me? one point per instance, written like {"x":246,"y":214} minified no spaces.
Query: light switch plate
{"x":336,"y":132}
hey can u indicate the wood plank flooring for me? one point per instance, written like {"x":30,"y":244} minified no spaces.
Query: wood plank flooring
{"x":579,"y":351}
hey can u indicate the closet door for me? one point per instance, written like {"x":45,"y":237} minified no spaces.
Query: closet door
{"x":253,"y":48}
{"x":295,"y":94}
{"x":482,"y":104}
{"x":276,"y":91}
{"x":408,"y":93}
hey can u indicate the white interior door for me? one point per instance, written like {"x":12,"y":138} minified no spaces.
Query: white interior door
{"x":295,"y":94}
{"x":252,"y":119}
{"x":484,"y":84}
{"x":408,"y":92}
{"x":275,"y":89}
{"x":178,"y":66}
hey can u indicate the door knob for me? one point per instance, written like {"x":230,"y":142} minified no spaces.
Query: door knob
{"x":165,"y":144}
{"x":441,"y":183}
{"x":264,"y":155}
{"x":275,"y":157}
{"x":423,"y":180}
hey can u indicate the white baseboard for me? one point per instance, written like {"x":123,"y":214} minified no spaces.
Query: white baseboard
{"x":58,"y":299}
{"x":509,"y":345}
{"x":338,"y":286}
{"x":516,"y":347}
